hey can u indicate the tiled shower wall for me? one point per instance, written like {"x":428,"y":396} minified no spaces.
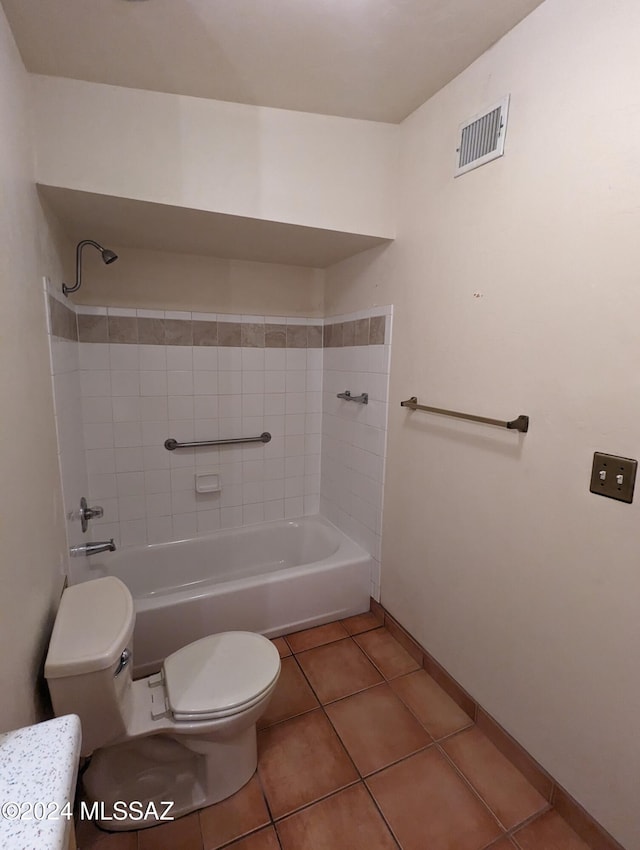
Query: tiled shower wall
{"x":148,"y":375}
{"x":354,"y":436}
{"x":126,"y":380}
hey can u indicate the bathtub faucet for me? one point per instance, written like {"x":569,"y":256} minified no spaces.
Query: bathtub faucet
{"x":92,"y":548}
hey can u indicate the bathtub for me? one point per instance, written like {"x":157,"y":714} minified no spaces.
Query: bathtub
{"x":273,"y":578}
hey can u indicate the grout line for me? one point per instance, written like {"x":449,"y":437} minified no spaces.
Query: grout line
{"x":362,"y":776}
{"x":471,"y":787}
{"x":450,"y":735}
{"x":528,"y":821}
{"x":264,"y":795}
{"x":317,"y":800}
{"x":381,"y":813}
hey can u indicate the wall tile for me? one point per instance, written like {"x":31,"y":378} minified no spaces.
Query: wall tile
{"x":151,"y":331}
{"x":123,"y":329}
{"x":229,"y":334}
{"x":205,"y":333}
{"x":214,"y":378}
{"x":178,"y":332}
{"x":275,"y":336}
{"x":93,"y":328}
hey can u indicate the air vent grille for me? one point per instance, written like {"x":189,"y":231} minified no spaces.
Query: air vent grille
{"x":482,"y":139}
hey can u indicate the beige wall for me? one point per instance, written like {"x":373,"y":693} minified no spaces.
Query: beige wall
{"x":517,"y":290}
{"x":261,"y":163}
{"x":32,"y":542}
{"x":163,"y":281}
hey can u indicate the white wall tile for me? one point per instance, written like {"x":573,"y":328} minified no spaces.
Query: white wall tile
{"x":134,"y":397}
{"x":152,"y":357}
{"x":180,"y":358}
{"x":94,"y":355}
{"x":123,"y":356}
{"x":153,"y":383}
{"x":95,"y":383}
{"x":126,"y":434}
{"x":180,"y":383}
{"x":180,"y":407}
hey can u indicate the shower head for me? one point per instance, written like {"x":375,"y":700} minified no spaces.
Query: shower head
{"x":108,"y":257}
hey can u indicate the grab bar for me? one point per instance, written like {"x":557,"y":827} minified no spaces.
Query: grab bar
{"x":172,"y":444}
{"x":520,"y":424}
{"x":359,"y":399}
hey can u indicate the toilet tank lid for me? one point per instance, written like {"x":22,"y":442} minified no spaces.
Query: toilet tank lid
{"x":93,"y":625}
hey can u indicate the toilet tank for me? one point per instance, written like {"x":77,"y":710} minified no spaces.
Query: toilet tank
{"x":89,"y":663}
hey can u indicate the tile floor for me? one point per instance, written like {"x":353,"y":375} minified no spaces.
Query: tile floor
{"x":361,"y":750}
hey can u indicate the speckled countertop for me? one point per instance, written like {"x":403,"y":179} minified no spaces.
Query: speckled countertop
{"x":38,"y":771}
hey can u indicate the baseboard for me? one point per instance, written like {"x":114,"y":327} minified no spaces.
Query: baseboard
{"x":576,"y":816}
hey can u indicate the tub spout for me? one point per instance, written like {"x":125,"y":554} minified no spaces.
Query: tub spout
{"x":92,"y":548}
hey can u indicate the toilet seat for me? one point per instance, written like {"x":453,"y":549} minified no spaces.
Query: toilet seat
{"x":219,"y":675}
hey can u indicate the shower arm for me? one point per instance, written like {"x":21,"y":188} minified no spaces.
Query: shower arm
{"x":79,"y":248}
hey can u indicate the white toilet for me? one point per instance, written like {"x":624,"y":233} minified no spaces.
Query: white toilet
{"x":185,"y":735}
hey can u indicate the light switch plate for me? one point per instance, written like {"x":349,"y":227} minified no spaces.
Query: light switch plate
{"x":613,"y":476}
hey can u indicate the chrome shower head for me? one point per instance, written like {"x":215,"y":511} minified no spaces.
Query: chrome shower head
{"x":107,"y":258}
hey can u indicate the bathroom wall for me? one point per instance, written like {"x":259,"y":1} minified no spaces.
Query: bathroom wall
{"x":162,"y":280}
{"x":32,"y":539}
{"x":354,"y":436}
{"x":149,"y":375}
{"x":515,"y":290}
{"x":257,"y":162}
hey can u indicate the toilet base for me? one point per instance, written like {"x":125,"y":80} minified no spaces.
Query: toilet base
{"x":129,"y":785}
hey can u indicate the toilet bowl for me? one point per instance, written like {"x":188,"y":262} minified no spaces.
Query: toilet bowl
{"x":185,"y":736}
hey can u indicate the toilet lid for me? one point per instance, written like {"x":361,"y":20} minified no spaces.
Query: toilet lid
{"x":219,"y":675}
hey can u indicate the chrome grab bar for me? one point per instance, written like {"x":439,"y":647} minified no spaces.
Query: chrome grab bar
{"x":172,"y":444}
{"x":359,"y":399}
{"x":520,"y":424}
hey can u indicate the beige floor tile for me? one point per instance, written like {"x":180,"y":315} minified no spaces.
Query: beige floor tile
{"x":386,"y":653}
{"x":292,"y":695}
{"x":300,"y":761}
{"x":266,"y":839}
{"x":338,"y":670}
{"x":428,"y":805}
{"x":245,"y":811}
{"x":181,"y":834}
{"x":282,"y":646}
{"x":362,"y":623}
{"x":318,"y":636}
{"x":435,"y":709}
{"x":548,"y":832}
{"x":503,"y":788}
{"x":376,"y":728}
{"x":348,"y":819}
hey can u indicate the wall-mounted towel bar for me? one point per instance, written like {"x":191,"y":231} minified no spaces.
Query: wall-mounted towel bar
{"x":359,"y":399}
{"x":519,"y":424}
{"x":172,"y":444}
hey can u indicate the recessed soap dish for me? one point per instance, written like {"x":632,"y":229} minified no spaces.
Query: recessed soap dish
{"x":207,"y":482}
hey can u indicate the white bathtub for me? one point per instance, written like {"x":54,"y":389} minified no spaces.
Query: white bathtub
{"x":272,"y":578}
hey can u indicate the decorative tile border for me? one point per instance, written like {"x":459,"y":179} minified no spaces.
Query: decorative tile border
{"x":576,"y":816}
{"x":370,"y":331}
{"x":63,"y":320}
{"x":104,"y":326}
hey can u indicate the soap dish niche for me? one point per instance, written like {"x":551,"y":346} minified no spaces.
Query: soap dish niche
{"x":207,"y":482}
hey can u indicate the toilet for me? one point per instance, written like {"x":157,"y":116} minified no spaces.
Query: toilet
{"x":186,"y":735}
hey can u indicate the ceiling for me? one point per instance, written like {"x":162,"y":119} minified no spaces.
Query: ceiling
{"x":159,"y":227}
{"x":370,"y":59}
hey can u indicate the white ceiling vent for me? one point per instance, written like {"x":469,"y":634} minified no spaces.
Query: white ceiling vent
{"x":482,"y":138}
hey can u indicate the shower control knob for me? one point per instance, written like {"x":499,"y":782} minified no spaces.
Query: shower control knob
{"x":87,"y":513}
